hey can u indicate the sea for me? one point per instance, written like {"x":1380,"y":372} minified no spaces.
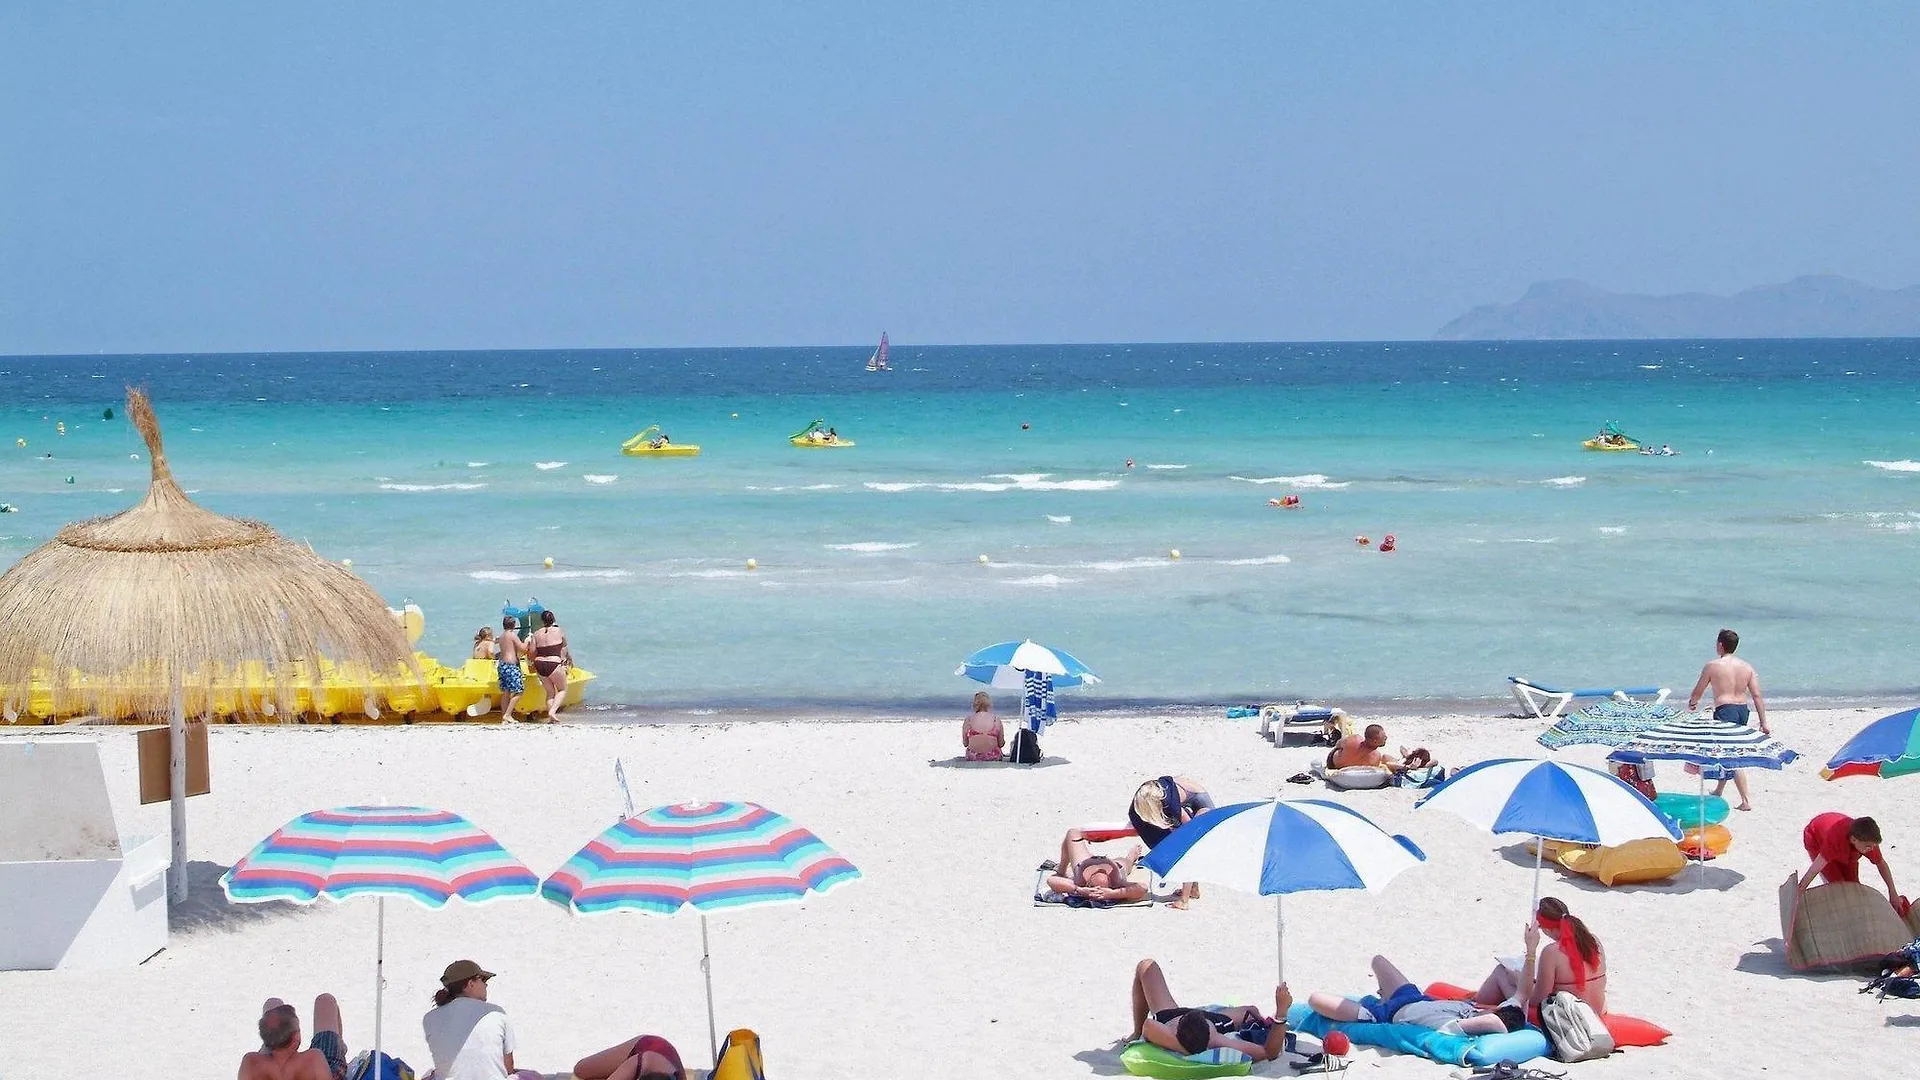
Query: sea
{"x":1114,"y":501}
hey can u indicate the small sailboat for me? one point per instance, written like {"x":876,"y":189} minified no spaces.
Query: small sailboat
{"x":878,"y":361}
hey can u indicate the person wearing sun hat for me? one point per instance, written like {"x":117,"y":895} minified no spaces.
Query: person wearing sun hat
{"x":468,"y":1035}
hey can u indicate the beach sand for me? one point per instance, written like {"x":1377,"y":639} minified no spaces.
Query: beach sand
{"x":936,"y":964}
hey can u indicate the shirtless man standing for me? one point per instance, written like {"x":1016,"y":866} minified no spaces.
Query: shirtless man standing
{"x":512,"y":682}
{"x":1736,"y":692}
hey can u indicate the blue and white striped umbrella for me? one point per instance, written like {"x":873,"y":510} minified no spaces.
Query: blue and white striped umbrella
{"x":1549,"y":800}
{"x":1004,"y":666}
{"x":1275,"y":847}
{"x":1717,"y":745}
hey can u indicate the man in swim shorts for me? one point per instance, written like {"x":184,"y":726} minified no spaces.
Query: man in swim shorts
{"x":280,"y":1056}
{"x":512,"y":682}
{"x":1401,"y":1002}
{"x":1736,"y":693}
{"x":1365,"y":749}
{"x":1158,"y":1019}
{"x":1836,"y":843}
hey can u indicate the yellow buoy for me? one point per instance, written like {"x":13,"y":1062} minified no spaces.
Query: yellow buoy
{"x":984,"y":560}
{"x":753,"y":564}
{"x":736,"y":416}
{"x":547,"y":562}
{"x":348,"y":563}
{"x":1174,"y":554}
{"x":19,"y":442}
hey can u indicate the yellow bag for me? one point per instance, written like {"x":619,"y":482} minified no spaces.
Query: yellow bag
{"x":739,"y":1057}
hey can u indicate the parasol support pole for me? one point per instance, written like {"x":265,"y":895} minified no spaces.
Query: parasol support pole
{"x":1280,"y":935}
{"x":177,"y":791}
{"x":706,"y":968}
{"x":1700,"y":828}
{"x":1539,"y":856}
{"x":379,"y":976}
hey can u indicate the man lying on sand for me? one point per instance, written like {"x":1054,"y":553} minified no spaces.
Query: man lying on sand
{"x":1096,"y":877}
{"x":1401,"y":1002}
{"x":280,"y":1056}
{"x":1158,"y":1019}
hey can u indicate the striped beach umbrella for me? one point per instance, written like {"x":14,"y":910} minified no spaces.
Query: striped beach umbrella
{"x":1276,"y":847}
{"x":1549,"y":801}
{"x":427,"y":856}
{"x":1890,"y":746}
{"x":1605,"y":723}
{"x":1717,"y":746}
{"x":710,"y":857}
{"x":1004,"y":666}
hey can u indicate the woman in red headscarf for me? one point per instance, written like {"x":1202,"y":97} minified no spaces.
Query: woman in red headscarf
{"x":1572,"y":961}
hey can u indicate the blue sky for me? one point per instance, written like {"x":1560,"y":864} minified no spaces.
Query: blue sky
{"x":203,"y":177}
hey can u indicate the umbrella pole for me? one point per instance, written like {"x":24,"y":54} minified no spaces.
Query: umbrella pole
{"x":1280,"y":935}
{"x":379,"y":976}
{"x":1700,"y":827}
{"x":706,"y":966}
{"x":177,"y":790}
{"x":1539,"y":856}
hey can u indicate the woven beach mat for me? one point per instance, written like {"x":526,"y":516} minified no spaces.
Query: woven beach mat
{"x":1838,"y":924}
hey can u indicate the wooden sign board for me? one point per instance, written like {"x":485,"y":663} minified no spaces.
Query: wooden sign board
{"x":155,"y":753}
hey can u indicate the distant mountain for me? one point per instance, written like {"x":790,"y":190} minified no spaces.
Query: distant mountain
{"x":1818,"y":305}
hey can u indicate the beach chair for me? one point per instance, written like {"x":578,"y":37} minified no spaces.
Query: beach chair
{"x":1547,"y":702}
{"x":1277,"y":720}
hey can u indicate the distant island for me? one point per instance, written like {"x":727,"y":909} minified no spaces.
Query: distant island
{"x":1818,"y":305}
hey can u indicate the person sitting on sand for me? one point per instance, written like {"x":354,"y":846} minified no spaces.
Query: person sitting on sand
{"x":469,"y":1036}
{"x":1836,"y":843}
{"x":1162,"y":805}
{"x":648,"y":1057}
{"x":1366,"y":751}
{"x":484,"y":647}
{"x":280,"y":1056}
{"x":1160,"y":1020}
{"x":1098,"y":878}
{"x":1401,"y":1002}
{"x":981,"y":733}
{"x":1574,"y":963}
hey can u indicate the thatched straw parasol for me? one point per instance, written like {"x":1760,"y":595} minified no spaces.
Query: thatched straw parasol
{"x":122,"y":615}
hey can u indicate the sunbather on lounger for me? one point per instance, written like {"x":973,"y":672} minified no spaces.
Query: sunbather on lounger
{"x":280,"y":1056}
{"x":1401,"y":1002}
{"x":1096,"y":877}
{"x":1162,"y":1022}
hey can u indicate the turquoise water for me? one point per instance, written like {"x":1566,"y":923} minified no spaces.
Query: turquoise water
{"x":1792,"y":512}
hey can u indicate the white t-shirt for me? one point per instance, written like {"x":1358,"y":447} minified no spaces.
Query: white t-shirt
{"x":469,"y":1039}
{"x":1444,"y":1016}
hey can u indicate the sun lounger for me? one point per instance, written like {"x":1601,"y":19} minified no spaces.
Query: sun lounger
{"x":1547,"y":702}
{"x":1277,"y":720}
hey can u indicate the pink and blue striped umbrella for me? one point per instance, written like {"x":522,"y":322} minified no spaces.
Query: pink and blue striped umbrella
{"x":710,"y":857}
{"x":427,"y":856}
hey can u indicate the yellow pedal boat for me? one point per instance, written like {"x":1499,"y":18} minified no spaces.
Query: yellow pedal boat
{"x":1596,"y":444}
{"x":641,"y":445}
{"x":816,"y":436}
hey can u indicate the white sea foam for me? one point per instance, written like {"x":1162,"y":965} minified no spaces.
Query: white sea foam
{"x":547,"y":575}
{"x":1060,"y":519}
{"x":871,"y":547}
{"x":1530,"y":540}
{"x":1264,"y":560}
{"x":1040,"y":581}
{"x":1903,"y":465}
{"x":1307,"y":480}
{"x":1649,"y":367}
{"x":715,"y":573}
{"x":1114,"y":566}
{"x":431,"y":487}
{"x":1026,"y":482}
{"x":543,"y":466}
{"x":478,"y":464}
{"x":1564,"y":481}
{"x":600,"y":478}
{"x":1019,"y":478}
{"x":1150,"y":466}
{"x":794,"y":487}
{"x":1895,"y":526}
{"x":1613,"y":530}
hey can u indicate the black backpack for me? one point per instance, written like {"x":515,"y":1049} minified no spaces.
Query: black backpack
{"x":1025,"y":749}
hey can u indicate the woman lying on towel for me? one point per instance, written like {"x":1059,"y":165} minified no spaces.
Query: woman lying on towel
{"x":1573,"y":962}
{"x":1401,"y":1002}
{"x":1158,"y":1019}
{"x":648,"y":1057}
{"x":1096,"y":877}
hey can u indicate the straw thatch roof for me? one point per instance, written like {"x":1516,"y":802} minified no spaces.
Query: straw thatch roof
{"x":115,"y":612}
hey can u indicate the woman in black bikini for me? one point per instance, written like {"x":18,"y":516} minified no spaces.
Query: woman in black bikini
{"x":551,"y":659}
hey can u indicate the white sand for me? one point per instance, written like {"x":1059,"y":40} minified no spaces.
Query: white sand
{"x":936,"y":964}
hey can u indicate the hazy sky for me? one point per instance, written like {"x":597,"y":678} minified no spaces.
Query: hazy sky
{"x":463,"y":175}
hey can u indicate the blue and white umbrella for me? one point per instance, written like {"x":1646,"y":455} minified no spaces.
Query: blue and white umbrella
{"x":1005,"y":666}
{"x":1551,"y":801}
{"x":1717,"y":747}
{"x":1277,"y":847}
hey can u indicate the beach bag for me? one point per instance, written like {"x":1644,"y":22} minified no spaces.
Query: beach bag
{"x":391,"y":1068}
{"x":1025,"y":749}
{"x":1431,"y":776}
{"x":1573,"y":1029}
{"x":739,"y":1057}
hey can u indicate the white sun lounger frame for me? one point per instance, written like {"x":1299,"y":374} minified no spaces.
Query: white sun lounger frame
{"x":1547,"y":703}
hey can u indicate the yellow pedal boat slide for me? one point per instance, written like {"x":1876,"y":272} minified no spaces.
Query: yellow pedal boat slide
{"x":641,"y":445}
